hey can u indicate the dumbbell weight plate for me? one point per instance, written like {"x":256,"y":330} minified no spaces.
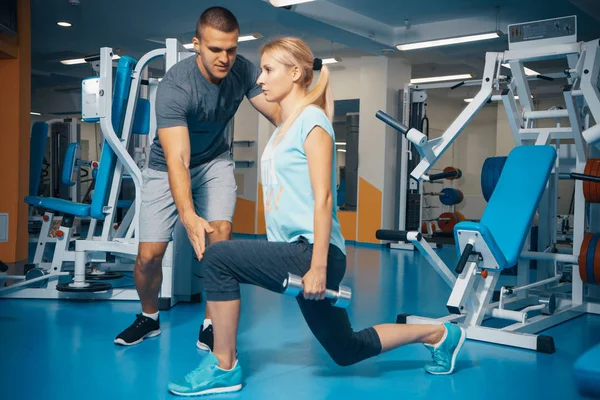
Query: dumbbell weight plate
{"x":293,"y":287}
{"x":447,"y":222}
{"x":591,"y":190}
{"x":343,"y":298}
{"x":450,"y":196}
{"x":490,"y":173}
{"x":589,"y":258}
{"x":453,"y":169}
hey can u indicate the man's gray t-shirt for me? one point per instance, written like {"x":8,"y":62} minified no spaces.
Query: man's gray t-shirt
{"x":186,"y":98}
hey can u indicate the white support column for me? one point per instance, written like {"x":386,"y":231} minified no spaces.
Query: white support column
{"x":381,"y":80}
{"x":589,"y":82}
{"x":43,"y":237}
{"x":514,"y":118}
{"x":519,"y":76}
{"x":61,"y":251}
{"x":482,"y":297}
{"x":462,"y":290}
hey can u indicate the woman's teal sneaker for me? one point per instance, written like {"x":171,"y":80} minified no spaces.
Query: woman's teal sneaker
{"x":444,"y":354}
{"x":208,"y":378}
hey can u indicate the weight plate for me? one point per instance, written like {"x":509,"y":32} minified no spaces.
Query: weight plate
{"x":490,"y":173}
{"x":597,"y":185}
{"x":450,"y":196}
{"x":447,"y":222}
{"x":106,"y":276}
{"x":92,"y":287}
{"x":597,"y":260}
{"x":591,"y":190}
{"x":592,"y":264}
{"x":458,"y":173}
{"x":583,"y":257}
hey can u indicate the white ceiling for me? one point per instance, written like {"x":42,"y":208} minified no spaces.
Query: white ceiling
{"x":345,"y":28}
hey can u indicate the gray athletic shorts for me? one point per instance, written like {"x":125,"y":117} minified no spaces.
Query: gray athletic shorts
{"x":213,"y":193}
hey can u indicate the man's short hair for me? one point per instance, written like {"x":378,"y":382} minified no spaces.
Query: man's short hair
{"x":218,"y":18}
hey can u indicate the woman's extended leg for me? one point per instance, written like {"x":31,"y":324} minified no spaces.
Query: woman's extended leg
{"x":331,"y":326}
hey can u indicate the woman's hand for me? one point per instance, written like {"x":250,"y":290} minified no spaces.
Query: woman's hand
{"x":314,"y":283}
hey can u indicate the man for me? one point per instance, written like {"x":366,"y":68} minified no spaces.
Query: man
{"x":190,"y":171}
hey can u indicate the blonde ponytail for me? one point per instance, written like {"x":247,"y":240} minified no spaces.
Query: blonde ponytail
{"x":320,"y":95}
{"x":292,"y":51}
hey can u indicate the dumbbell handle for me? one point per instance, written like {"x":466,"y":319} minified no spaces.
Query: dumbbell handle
{"x":294,"y":286}
{"x":443,"y":175}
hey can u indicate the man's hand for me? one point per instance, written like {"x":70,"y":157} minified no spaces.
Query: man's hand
{"x":314,"y":283}
{"x":197,"y":228}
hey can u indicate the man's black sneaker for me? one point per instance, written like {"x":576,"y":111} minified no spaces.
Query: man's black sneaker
{"x":142,"y":328}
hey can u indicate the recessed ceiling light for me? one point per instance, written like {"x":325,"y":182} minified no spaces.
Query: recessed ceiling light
{"x":448,"y":41}
{"x":74,"y":61}
{"x":442,"y":78}
{"x":285,"y":3}
{"x":332,"y":60}
{"x":64,"y":24}
{"x":34,"y":113}
{"x":244,"y":38}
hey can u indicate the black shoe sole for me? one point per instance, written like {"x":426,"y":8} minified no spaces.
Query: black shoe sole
{"x":148,"y":335}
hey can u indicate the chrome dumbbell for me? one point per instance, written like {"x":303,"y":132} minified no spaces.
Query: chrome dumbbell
{"x":340,"y":298}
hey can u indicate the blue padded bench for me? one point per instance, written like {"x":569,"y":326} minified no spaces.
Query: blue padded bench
{"x":108,"y":158}
{"x":509,"y":214}
{"x":586,"y":372}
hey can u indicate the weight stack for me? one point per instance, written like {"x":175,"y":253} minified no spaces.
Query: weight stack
{"x":413,"y":198}
{"x":413,"y":210}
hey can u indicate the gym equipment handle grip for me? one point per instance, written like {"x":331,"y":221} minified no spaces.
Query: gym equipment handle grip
{"x":443,"y":175}
{"x":585,"y":177}
{"x":395,"y":236}
{"x":391,"y":121}
{"x":464,"y":258}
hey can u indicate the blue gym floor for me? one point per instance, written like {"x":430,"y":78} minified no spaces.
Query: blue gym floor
{"x":64,"y":350}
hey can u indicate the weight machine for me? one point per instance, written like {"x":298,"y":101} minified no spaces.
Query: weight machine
{"x":81,"y":269}
{"x":563,"y":288}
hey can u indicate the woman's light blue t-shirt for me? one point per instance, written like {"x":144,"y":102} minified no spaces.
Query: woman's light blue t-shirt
{"x":287,"y":190}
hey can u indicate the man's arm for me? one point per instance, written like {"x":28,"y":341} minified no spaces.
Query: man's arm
{"x":175,"y":142}
{"x":269,"y":110}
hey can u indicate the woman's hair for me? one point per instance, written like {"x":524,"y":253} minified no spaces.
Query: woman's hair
{"x":291,"y":51}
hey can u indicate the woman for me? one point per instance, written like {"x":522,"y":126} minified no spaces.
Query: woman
{"x":304,"y":238}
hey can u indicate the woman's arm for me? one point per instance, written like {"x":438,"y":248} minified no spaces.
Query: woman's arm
{"x":319,"y":149}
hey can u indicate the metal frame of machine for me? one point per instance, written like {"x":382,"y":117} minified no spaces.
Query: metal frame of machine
{"x":121,"y":243}
{"x":559,"y":299}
